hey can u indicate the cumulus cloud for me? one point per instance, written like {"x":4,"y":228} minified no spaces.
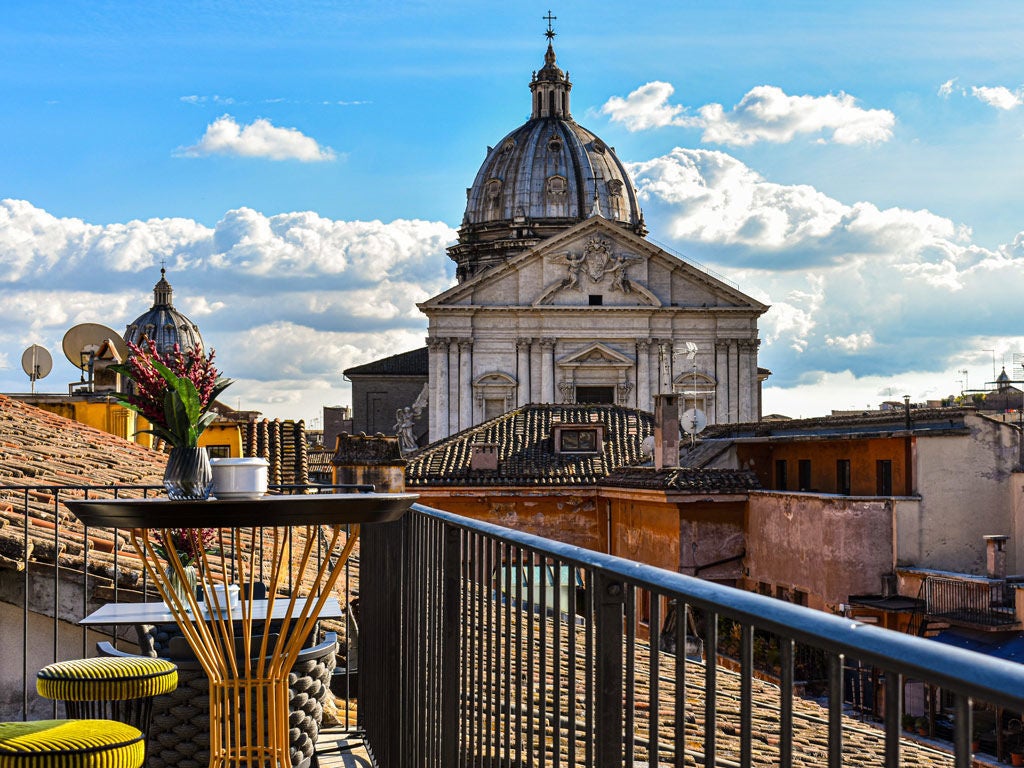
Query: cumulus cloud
{"x":852,"y":286}
{"x":999,"y":96}
{"x":946,"y":89}
{"x":765,"y":113}
{"x":288,"y":301}
{"x":224,"y":136}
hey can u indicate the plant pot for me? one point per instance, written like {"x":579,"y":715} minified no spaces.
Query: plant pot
{"x":1017,"y":758}
{"x":188,"y":476}
{"x":244,"y":478}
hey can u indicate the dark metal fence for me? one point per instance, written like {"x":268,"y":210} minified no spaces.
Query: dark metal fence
{"x":981,"y":602}
{"x":491,"y":647}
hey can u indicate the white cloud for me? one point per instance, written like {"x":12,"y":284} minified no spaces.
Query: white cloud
{"x":260,"y":138}
{"x":946,"y":89}
{"x":874,"y":291}
{"x":288,"y":301}
{"x":999,"y":96}
{"x":851,"y":343}
{"x":765,"y":113}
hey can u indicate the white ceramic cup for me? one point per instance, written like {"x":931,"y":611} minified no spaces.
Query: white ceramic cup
{"x":239,"y":478}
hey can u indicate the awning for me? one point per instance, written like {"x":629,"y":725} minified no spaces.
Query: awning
{"x":1000,"y":645}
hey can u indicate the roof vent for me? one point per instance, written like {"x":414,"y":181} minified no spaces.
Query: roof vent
{"x":483,"y":456}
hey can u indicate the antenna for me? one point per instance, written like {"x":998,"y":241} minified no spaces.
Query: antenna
{"x":693,"y":420}
{"x":92,"y":347}
{"x":37,"y":363}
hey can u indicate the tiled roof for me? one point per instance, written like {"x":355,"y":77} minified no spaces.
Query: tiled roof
{"x":41,"y":448}
{"x":414,"y":363}
{"x":683,"y":479}
{"x":525,"y":452}
{"x":921,"y":419}
{"x":283,"y":445}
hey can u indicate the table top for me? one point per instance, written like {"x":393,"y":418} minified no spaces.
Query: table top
{"x":159,"y":613}
{"x":271,"y":510}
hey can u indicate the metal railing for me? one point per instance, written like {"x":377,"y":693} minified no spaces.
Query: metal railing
{"x":972,"y":602}
{"x":483,"y":655}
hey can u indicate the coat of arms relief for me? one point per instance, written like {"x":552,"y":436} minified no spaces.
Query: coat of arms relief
{"x":596,"y":263}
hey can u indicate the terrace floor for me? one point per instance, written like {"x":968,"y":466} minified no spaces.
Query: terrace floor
{"x":342,"y":748}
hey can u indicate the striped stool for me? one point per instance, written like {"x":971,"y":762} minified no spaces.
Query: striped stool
{"x":71,"y":744}
{"x":109,"y":688}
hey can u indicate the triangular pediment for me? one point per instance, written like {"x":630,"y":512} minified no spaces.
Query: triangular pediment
{"x":595,"y":262}
{"x":595,"y":355}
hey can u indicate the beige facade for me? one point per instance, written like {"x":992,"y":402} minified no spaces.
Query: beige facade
{"x":594,"y":314}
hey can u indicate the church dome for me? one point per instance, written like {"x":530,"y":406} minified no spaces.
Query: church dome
{"x":545,"y":176}
{"x":163,"y":323}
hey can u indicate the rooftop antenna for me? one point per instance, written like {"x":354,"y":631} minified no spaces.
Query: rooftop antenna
{"x":993,"y":362}
{"x":693,"y":420}
{"x":37,"y":363}
{"x":85,"y":344}
{"x":965,"y":387}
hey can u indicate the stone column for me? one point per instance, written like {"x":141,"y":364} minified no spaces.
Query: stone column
{"x":453,"y":386}
{"x":723,"y":389}
{"x":643,"y":375}
{"x":746,"y":381}
{"x":665,"y":360}
{"x":547,"y":370}
{"x":465,"y":383}
{"x":439,"y":391}
{"x":734,"y":381}
{"x":523,"y":371}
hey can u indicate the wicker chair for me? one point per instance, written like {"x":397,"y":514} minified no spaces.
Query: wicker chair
{"x":179,"y":734}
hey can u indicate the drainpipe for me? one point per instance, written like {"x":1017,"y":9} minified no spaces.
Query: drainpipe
{"x":908,"y":449}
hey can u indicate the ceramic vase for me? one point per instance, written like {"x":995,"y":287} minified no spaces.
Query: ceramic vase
{"x":188,"y":476}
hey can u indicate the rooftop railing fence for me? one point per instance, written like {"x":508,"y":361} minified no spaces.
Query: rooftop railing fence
{"x":483,"y":646}
{"x":494,"y":647}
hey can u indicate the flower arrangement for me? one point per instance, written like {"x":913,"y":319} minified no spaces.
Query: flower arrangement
{"x":173,"y":392}
{"x":189,"y":543}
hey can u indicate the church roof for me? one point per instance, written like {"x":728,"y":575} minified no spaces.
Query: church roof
{"x":544,"y":176}
{"x":164,"y":324}
{"x":525,"y":450}
{"x":414,"y":363}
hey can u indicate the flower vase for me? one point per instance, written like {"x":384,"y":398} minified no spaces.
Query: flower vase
{"x":188,"y":476}
{"x":182,"y":589}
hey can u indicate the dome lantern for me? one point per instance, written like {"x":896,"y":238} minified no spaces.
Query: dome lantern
{"x":165,"y":325}
{"x":547,"y":175}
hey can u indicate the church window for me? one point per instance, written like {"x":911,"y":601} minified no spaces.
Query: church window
{"x":596,"y":299}
{"x":493,"y":407}
{"x":493,"y":189}
{"x":614,"y":187}
{"x":508,"y":146}
{"x":600,"y":147}
{"x":551,"y":102}
{"x":554,"y":145}
{"x":598,"y":395}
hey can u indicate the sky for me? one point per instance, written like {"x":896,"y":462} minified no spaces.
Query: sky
{"x":299,"y":169}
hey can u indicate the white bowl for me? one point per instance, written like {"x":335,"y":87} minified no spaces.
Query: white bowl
{"x":224,"y":599}
{"x":239,"y":478}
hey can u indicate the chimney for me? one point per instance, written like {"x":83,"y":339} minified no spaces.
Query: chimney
{"x":995,"y":556}
{"x":666,"y":431}
{"x":374,"y":460}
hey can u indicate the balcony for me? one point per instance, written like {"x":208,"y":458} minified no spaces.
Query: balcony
{"x":971,"y":601}
{"x":483,"y":646}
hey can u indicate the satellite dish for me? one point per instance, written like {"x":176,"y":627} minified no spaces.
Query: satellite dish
{"x":693,"y":421}
{"x":84,"y":340}
{"x":37,"y":363}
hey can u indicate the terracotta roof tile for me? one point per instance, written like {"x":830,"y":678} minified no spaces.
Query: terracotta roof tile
{"x":525,"y":452}
{"x":683,"y":479}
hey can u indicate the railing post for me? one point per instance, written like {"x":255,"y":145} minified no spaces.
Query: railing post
{"x":608,"y":606}
{"x":382,"y":690}
{"x":451,"y":652}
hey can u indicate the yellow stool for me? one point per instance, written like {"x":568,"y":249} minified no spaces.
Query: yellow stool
{"x":109,"y":688}
{"x":71,"y":744}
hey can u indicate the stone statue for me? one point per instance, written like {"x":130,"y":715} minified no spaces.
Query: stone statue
{"x":405,"y":421}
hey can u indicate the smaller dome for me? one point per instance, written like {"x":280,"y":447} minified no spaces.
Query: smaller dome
{"x":163,"y":324}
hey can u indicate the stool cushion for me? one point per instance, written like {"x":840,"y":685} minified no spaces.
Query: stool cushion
{"x":107,"y":679}
{"x":71,"y":744}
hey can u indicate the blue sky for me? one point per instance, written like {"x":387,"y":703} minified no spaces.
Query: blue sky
{"x":300,"y":168}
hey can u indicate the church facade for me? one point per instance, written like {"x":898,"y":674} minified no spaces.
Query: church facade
{"x":562,"y":299}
